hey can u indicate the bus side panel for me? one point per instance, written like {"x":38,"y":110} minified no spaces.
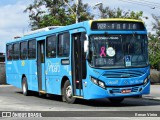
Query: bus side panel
{"x":53,"y":84}
{"x":53,"y":80}
{"x":23,"y":66}
{"x":32,"y":82}
{"x":55,"y":73}
{"x":32,"y":75}
{"x":64,"y":70}
{"x":13,"y":76}
{"x":9,"y":73}
{"x":17,"y":71}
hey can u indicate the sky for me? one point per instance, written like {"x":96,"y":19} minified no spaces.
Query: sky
{"x":14,"y":22}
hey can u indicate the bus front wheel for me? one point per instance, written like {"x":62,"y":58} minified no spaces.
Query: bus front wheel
{"x":25,"y":87}
{"x":116,"y":100}
{"x":67,"y":93}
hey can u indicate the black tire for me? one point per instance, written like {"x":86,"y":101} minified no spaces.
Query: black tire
{"x":25,"y":90}
{"x":116,"y":100}
{"x":67,"y":95}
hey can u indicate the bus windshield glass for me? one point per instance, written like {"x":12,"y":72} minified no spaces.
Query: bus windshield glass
{"x":118,"y":51}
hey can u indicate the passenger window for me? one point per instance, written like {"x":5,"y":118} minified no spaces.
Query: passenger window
{"x":16,"y":51}
{"x":23,"y":51}
{"x":32,"y":49}
{"x":51,"y":47}
{"x":9,"y":52}
{"x":64,"y":45}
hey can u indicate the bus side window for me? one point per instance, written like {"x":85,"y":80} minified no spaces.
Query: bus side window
{"x":32,"y":49}
{"x":51,"y":47}
{"x":64,"y":45}
{"x":16,"y":51}
{"x":23,"y":50}
{"x":9,"y":52}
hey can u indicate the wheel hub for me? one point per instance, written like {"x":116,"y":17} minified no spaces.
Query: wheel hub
{"x":24,"y":88}
{"x":69,"y":91}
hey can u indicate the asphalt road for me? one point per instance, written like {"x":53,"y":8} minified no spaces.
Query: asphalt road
{"x":12,"y":99}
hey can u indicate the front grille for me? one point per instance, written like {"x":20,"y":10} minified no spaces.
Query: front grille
{"x":135,"y":89}
{"x":115,"y":91}
{"x":123,"y":74}
{"x":118,"y":90}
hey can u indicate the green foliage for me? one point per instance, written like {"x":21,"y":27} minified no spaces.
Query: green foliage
{"x":35,"y":13}
{"x":154,"y":51}
{"x":43,"y":13}
{"x":154,"y":44}
{"x":156,"y":25}
{"x":106,"y":12}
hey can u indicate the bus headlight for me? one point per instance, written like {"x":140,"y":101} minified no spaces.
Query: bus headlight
{"x":146,"y":80}
{"x":98,"y":82}
{"x":101,"y":84}
{"x":95,"y":81}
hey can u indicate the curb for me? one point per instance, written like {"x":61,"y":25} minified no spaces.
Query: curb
{"x":151,"y":98}
{"x":4,"y":85}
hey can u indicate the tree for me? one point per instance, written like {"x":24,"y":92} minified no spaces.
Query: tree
{"x":35,"y":13}
{"x":156,"y":25}
{"x":82,"y":12}
{"x":43,"y":13}
{"x":154,"y":44}
{"x":107,"y":12}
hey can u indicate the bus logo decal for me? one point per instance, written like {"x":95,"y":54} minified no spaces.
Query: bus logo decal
{"x":23,"y":63}
{"x":53,"y":67}
{"x":126,"y":82}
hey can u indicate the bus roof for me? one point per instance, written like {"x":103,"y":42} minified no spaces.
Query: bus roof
{"x":118,"y":19}
{"x":58,"y":29}
{"x":42,"y":30}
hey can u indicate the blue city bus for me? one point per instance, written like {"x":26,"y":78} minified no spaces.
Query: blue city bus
{"x":106,"y":58}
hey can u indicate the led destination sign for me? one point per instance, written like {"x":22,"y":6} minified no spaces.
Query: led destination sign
{"x":115,"y":25}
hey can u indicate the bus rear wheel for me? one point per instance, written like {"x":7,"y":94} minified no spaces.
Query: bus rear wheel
{"x":67,"y":93}
{"x":25,"y":87}
{"x":116,"y":100}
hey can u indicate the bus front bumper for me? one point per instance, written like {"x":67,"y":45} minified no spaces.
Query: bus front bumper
{"x":96,"y":92}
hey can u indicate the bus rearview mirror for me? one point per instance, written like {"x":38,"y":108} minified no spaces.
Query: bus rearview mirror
{"x":86,"y":45}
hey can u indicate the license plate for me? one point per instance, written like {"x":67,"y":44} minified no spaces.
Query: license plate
{"x":126,"y":91}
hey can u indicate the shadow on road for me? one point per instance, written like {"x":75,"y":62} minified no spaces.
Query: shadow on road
{"x":100,"y":102}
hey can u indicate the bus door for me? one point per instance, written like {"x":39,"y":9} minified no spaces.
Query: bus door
{"x":41,"y":65}
{"x":78,"y":62}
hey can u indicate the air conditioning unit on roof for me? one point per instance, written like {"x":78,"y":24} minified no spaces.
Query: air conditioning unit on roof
{"x":42,"y":30}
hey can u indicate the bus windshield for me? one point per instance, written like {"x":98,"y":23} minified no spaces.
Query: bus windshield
{"x":118,"y":51}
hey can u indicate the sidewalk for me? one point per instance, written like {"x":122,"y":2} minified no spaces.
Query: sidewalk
{"x":154,"y":93}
